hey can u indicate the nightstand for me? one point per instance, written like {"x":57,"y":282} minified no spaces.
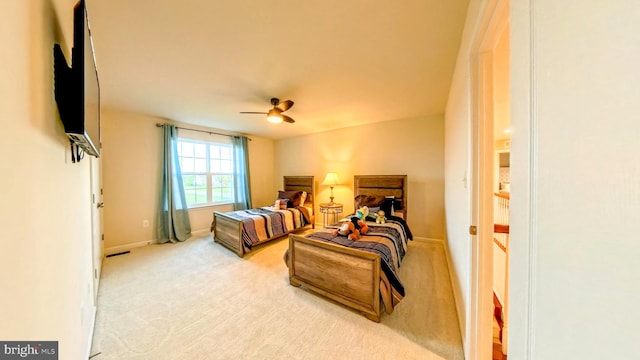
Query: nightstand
{"x":334,"y":210}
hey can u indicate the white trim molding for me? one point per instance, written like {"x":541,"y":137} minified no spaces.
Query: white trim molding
{"x":201,"y":233}
{"x":94,"y":312}
{"x":430,"y":240}
{"x":127,"y":247}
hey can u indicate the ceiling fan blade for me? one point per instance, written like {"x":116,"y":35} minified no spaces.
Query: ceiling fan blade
{"x":251,"y":112}
{"x":285,"y":105}
{"x":287,"y":119}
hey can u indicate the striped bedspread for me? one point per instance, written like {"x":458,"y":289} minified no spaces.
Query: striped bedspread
{"x":267,"y":222}
{"x":389,"y":241}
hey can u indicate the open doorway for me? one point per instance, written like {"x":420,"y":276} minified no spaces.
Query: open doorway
{"x":491,"y":141}
{"x":502,"y":192}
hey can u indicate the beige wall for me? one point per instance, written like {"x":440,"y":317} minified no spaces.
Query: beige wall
{"x":414,"y":147}
{"x":261,"y":159}
{"x":131,"y":165}
{"x":131,"y":161}
{"x":45,"y":260}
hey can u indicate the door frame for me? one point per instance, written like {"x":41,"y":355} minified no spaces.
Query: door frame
{"x":494,"y":18}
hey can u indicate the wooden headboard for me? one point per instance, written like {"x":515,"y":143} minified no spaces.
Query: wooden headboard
{"x":302,"y":183}
{"x":382,"y":185}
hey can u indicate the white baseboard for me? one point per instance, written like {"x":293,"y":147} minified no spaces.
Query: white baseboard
{"x":201,"y":232}
{"x":457,"y":297}
{"x":430,"y":240}
{"x":91,"y":332}
{"x":127,"y":247}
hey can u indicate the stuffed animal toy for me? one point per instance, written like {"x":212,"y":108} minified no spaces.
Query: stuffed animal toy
{"x":347,"y":229}
{"x":360,"y":225}
{"x":380,"y":218}
{"x":362,"y":213}
{"x":352,"y":229}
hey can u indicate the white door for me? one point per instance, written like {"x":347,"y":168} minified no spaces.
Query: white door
{"x":96,"y":222}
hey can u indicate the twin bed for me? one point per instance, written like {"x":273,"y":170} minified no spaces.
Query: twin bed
{"x":361,"y":274}
{"x":240,"y":231}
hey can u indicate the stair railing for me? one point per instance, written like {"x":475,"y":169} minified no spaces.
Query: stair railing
{"x":501,"y":219}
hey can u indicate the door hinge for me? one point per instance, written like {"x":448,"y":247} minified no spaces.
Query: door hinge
{"x":103,"y":237}
{"x":473,"y":230}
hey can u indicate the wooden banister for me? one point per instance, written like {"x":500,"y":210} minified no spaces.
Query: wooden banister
{"x":500,"y":228}
{"x":501,"y":219}
{"x":502,"y":195}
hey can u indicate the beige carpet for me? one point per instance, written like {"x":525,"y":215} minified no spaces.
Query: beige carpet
{"x":197,"y":300}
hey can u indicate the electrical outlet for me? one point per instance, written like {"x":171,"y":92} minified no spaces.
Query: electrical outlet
{"x":145,"y":223}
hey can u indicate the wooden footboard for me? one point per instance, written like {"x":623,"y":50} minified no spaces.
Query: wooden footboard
{"x":228,"y":232}
{"x":350,"y":277}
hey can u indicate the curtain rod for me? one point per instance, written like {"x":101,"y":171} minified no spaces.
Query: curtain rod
{"x":203,"y":131}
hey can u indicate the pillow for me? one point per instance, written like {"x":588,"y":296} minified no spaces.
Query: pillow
{"x":373,"y":210}
{"x":293,"y":197}
{"x":303,"y":197}
{"x":281,"y":204}
{"x":397,"y":204}
{"x":368,"y":201}
{"x":387,"y":206}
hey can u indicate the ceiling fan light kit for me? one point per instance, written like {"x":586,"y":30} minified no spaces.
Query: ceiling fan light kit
{"x":275,"y":115}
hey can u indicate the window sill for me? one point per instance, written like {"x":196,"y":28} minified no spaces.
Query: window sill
{"x":195,"y":207}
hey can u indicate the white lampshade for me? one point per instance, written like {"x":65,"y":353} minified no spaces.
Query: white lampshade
{"x":331,"y":179}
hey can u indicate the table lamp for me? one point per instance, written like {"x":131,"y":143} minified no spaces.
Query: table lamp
{"x":331,"y":180}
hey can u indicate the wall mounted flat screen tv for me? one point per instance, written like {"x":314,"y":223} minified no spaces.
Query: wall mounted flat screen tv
{"x":77,"y":90}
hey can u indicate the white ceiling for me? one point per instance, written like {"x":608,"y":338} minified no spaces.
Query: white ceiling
{"x":344,"y":63}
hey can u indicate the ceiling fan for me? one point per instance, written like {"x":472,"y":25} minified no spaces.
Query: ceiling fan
{"x":276,"y":115}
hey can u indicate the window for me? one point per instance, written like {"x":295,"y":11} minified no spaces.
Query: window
{"x":207,"y":172}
